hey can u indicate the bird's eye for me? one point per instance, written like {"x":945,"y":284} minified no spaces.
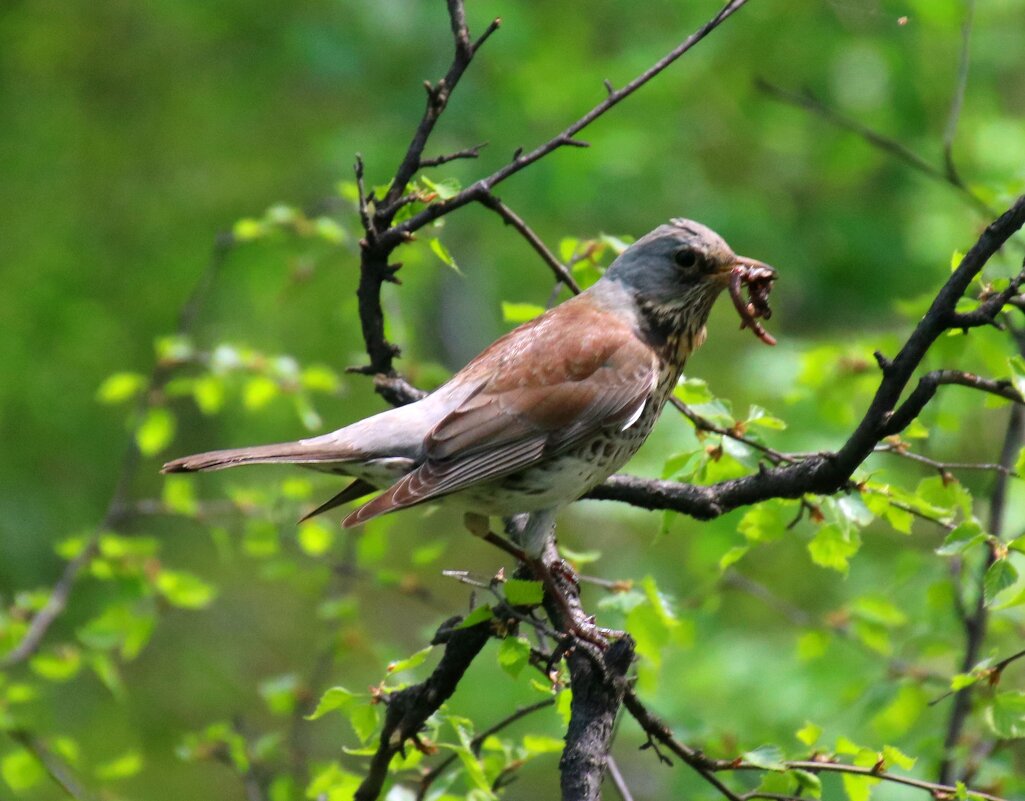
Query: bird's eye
{"x":686,"y":258}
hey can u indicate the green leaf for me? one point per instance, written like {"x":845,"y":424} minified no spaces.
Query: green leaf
{"x":966,"y":535}
{"x":259,"y":390}
{"x":247,"y":229}
{"x":945,"y":493}
{"x":732,"y":556}
{"x":21,"y":771}
{"x":332,"y":699}
{"x":185,"y":590}
{"x":901,"y":713}
{"x":808,"y":782}
{"x":767,"y":757}
{"x":894,"y":756}
{"x":809,"y":733}
{"x":520,"y":312}
{"x":833,"y":547}
{"x":854,"y":510}
{"x":122,"y":767}
{"x":478,"y":615}
{"x":179,"y":496}
{"x":329,"y":230}
{"x":315,"y":538}
{"x":59,"y":665}
{"x":521,"y":592}
{"x":513,"y":655}
{"x":999,"y":576}
{"x":439,"y":250}
{"x":410,"y":662}
{"x":763,"y":523}
{"x":858,"y":788}
{"x":579,"y":558}
{"x":1017,"y":365}
{"x":333,"y":783}
{"x":757,"y":416}
{"x":364,"y":718}
{"x":1006,"y":715}
{"x":693,"y":391}
{"x":536,"y":744}
{"x":121,"y":387}
{"x":280,"y":693}
{"x":155,"y":432}
{"x":209,"y":393}
{"x":446,"y":189}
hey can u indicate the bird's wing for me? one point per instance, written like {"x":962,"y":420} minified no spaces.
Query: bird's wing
{"x":549,"y":386}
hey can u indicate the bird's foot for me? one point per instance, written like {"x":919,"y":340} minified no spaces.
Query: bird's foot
{"x":563,"y":589}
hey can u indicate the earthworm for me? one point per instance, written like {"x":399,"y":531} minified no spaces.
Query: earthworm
{"x":759,"y":283}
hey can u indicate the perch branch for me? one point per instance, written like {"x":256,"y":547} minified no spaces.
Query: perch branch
{"x":828,"y":472}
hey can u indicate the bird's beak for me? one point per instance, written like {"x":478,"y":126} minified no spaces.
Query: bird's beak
{"x":763,"y":269}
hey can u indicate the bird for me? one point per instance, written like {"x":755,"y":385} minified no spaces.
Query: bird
{"x":549,"y":410}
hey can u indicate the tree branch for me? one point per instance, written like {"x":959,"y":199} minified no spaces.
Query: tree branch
{"x":511,"y":218}
{"x":829,"y":472}
{"x":51,"y":763}
{"x":976,"y":623}
{"x":476,"y":191}
{"x":707,"y":767}
{"x":432,"y":775}
{"x":409,"y":709}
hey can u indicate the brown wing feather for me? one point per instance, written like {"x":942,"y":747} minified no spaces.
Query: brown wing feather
{"x":547,"y":392}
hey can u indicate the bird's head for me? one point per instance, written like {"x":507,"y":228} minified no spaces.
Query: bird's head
{"x":676,"y":272}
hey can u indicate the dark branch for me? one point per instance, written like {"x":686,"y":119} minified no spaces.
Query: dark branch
{"x":976,"y":623}
{"x":829,"y":472}
{"x":409,"y":709}
{"x":431,"y":776}
{"x":468,"y":153}
{"x":707,"y":767}
{"x":437,"y":99}
{"x":476,"y":191}
{"x":512,"y":218}
{"x":930,"y":382}
{"x":957,"y":101}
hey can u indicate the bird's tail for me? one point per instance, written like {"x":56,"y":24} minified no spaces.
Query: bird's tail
{"x":301,"y":452}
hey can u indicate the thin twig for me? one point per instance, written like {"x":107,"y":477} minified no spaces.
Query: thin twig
{"x":618,"y":781}
{"x":512,"y":218}
{"x":478,"y":189}
{"x":54,"y":766}
{"x":432,"y":775}
{"x":975,"y":624}
{"x":941,"y":466}
{"x":808,"y":102}
{"x":707,"y":766}
{"x":957,"y":101}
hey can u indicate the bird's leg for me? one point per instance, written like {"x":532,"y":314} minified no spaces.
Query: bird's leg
{"x":479,"y":526}
{"x":560,"y":582}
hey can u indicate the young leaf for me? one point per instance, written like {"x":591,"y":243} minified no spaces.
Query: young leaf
{"x":521,"y":592}
{"x":999,"y":576}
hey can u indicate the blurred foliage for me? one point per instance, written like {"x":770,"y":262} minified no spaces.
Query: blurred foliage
{"x":208,"y":628}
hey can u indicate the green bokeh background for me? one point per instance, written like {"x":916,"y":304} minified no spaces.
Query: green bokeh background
{"x":132,"y":133}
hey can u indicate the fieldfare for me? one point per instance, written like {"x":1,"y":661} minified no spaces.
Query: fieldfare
{"x":549,"y":410}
